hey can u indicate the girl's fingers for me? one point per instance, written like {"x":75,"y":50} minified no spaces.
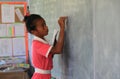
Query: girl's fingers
{"x":63,"y":17}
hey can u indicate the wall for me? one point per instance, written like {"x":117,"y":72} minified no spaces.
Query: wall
{"x":30,"y":71}
{"x":92,"y":35}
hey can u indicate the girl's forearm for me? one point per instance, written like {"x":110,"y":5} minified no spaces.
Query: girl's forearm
{"x":60,"y":42}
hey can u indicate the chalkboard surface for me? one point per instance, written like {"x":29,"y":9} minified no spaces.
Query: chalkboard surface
{"x":91,"y":49}
{"x":76,"y":61}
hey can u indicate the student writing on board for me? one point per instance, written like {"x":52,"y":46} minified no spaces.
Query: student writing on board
{"x":42,"y":51}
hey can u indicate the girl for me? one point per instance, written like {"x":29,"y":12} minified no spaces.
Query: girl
{"x":42,"y":51}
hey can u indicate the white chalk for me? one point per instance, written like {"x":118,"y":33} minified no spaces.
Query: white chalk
{"x":66,"y":21}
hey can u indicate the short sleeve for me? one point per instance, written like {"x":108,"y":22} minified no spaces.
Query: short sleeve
{"x":42,"y":48}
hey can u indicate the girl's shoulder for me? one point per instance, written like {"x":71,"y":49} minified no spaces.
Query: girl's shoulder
{"x":36,"y":41}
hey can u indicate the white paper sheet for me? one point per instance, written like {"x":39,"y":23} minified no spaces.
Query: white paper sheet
{"x":19,"y":14}
{"x":3,"y":30}
{"x":54,"y":36}
{"x":18,"y":46}
{"x":19,"y":29}
{"x":5,"y":47}
{"x":8,"y":14}
{"x":10,"y":30}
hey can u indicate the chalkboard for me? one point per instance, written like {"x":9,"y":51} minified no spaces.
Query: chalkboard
{"x":92,"y":37}
{"x":76,"y":60}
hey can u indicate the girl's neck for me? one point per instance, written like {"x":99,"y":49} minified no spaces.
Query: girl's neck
{"x":41,"y":37}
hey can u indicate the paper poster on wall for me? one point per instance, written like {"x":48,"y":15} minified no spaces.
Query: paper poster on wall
{"x":6,"y":47}
{"x":19,"y":29}
{"x":3,"y":30}
{"x":10,"y":30}
{"x":19,"y":14}
{"x":6,"y":30}
{"x":8,"y":14}
{"x":54,"y":36}
{"x":19,"y":46}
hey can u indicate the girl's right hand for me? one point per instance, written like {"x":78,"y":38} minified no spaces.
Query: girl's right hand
{"x":57,"y":48}
{"x":61,"y":22}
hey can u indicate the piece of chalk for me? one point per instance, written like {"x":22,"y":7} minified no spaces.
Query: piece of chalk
{"x":66,"y":21}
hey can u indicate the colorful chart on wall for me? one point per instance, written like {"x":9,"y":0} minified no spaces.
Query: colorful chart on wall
{"x":13,"y":35}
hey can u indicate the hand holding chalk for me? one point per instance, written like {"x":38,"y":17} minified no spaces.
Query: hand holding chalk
{"x":62,"y":22}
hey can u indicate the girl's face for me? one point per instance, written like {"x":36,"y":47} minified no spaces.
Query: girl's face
{"x":41,"y":28}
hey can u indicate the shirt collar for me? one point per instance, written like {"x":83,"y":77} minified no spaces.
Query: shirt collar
{"x":40,"y":39}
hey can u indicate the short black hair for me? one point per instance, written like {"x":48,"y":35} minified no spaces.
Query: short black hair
{"x":30,"y":21}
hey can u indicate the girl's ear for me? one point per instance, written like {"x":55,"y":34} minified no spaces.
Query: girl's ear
{"x":33,"y":32}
